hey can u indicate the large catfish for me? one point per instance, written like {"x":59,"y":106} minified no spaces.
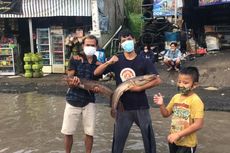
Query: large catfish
{"x":90,"y":84}
{"x":136,"y":81}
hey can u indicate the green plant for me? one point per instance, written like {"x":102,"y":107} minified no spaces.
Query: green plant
{"x":134,"y":16}
{"x":133,"y":6}
{"x":135,"y":23}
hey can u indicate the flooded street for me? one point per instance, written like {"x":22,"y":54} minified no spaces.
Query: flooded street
{"x":31,"y":123}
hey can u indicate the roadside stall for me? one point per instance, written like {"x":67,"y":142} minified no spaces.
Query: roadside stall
{"x":9,"y":48}
{"x":8,"y":56}
{"x":42,"y":31}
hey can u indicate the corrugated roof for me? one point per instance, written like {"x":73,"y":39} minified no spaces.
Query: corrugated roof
{"x":49,"y":8}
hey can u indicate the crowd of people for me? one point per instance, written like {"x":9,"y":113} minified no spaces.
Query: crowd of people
{"x":186,"y":108}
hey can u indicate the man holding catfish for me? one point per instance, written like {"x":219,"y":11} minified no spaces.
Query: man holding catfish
{"x":134,"y":103}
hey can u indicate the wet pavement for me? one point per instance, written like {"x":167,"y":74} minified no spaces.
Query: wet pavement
{"x":31,"y":123}
{"x":31,"y":111}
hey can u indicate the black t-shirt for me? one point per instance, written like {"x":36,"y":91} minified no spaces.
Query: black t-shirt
{"x":124,"y":69}
{"x":147,"y":55}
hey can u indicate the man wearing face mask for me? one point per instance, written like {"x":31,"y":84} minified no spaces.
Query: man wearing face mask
{"x":134,"y":103}
{"x":81,"y":103}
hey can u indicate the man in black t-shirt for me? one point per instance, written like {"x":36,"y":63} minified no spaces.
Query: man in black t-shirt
{"x":134,"y":101}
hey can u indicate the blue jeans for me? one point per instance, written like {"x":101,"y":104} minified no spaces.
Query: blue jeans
{"x":123,"y":123}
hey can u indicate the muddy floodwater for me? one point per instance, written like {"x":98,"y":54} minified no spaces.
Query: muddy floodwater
{"x":31,"y":123}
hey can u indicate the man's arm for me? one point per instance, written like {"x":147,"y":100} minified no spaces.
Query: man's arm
{"x":178,"y":55}
{"x":101,"y":68}
{"x":148,"y":85}
{"x":149,"y":69}
{"x":167,"y":54}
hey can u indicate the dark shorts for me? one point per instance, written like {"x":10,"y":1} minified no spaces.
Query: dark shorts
{"x":173,"y":148}
{"x":122,"y":127}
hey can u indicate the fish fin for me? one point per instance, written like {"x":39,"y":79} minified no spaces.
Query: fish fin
{"x":110,"y":100}
{"x":120,"y":106}
{"x":132,"y":82}
{"x":89,"y":92}
{"x":113,"y":113}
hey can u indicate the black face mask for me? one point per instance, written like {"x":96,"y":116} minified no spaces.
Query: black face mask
{"x":183,"y":90}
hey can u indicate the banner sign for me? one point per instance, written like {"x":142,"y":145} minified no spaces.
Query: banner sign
{"x":10,"y":6}
{"x":212,"y":2}
{"x":166,"y":7}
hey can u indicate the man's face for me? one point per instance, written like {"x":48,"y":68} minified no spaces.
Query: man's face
{"x":173,"y":47}
{"x":89,"y":46}
{"x":90,"y":42}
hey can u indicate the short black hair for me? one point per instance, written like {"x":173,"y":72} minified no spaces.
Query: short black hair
{"x":125,"y":33}
{"x":192,"y":71}
{"x":174,"y":43}
{"x":90,"y":37}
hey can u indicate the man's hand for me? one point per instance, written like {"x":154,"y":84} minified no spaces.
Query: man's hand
{"x":78,"y":57}
{"x":112,"y":60}
{"x":74,"y":81}
{"x":95,"y":89}
{"x":171,"y":62}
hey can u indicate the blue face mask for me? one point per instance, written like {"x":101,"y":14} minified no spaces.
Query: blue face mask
{"x":128,"y":46}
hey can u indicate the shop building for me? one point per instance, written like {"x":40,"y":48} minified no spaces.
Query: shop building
{"x":53,"y":28}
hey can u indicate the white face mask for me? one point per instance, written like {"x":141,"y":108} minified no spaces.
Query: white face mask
{"x":89,"y":50}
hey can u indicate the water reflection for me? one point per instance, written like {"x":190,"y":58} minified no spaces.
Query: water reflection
{"x":31,"y":123}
